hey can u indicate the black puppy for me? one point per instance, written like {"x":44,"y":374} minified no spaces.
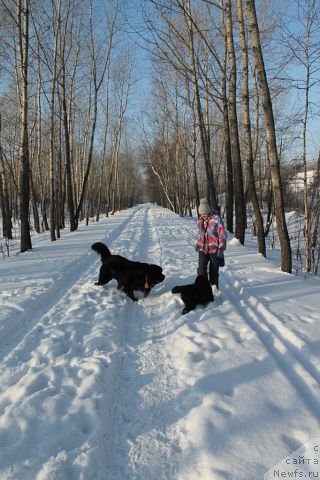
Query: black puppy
{"x":130,"y":275}
{"x":197,"y":293}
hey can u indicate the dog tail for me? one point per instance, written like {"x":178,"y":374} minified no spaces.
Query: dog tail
{"x":101,"y":249}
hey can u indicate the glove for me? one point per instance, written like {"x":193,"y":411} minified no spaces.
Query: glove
{"x":220,"y":258}
{"x":196,"y":246}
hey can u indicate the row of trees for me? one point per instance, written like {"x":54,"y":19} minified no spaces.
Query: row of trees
{"x":216,"y":122}
{"x":221,"y":83}
{"x":66,"y":81}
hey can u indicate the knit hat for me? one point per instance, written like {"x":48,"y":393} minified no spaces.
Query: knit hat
{"x":204,"y":206}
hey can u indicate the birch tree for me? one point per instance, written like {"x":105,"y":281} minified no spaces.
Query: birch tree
{"x":286,"y":260}
{"x":97,"y":81}
{"x":112,"y":30}
{"x":22,"y":22}
{"x":248,"y":153}
{"x":56,"y":22}
{"x":226,"y":137}
{"x":203,"y":127}
{"x":240,"y":209}
{"x":65,"y":49}
{"x":4,"y":196}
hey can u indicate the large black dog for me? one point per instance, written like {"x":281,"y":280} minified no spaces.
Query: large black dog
{"x":197,"y":293}
{"x":130,"y":275}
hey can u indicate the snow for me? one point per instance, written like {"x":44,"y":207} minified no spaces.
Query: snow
{"x":97,"y":387}
{"x":298,"y":179}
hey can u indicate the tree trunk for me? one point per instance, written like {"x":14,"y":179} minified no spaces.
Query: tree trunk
{"x":23,"y":45}
{"x":247,"y":134}
{"x":194,"y":158}
{"x":4,"y":198}
{"x":307,"y":212}
{"x":106,"y":126}
{"x":35,"y":211}
{"x":227,"y":143}
{"x":70,"y":200}
{"x":315,"y":253}
{"x":240,"y":208}
{"x":53,"y":167}
{"x":286,"y":260}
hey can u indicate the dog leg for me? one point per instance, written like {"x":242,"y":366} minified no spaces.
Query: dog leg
{"x":130,"y":293}
{"x":120,"y":286}
{"x":188,"y":307}
{"x":187,"y":310}
{"x":104,"y":277}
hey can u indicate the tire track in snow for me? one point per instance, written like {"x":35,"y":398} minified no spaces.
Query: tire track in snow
{"x":20,"y":349}
{"x":281,"y":343}
{"x":173,"y":222}
{"x":48,"y":300}
{"x":73,"y":369}
{"x":142,"y":445}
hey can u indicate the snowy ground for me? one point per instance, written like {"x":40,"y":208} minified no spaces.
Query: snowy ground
{"x":97,"y":387}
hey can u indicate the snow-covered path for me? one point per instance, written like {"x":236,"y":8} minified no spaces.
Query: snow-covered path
{"x":95,"y":386}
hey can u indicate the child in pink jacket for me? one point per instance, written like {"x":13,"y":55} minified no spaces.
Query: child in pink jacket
{"x":211,"y":242}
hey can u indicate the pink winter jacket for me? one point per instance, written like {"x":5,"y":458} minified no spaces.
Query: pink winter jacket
{"x":211,"y":234}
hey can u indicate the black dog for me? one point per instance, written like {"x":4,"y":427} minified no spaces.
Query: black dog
{"x":129,"y":275}
{"x":197,"y":293}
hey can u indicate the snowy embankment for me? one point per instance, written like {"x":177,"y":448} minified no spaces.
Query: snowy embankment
{"x":95,"y":386}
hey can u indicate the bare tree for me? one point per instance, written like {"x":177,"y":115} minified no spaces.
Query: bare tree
{"x":176,"y":45}
{"x":4,"y":197}
{"x":286,"y":260}
{"x":303,"y":43}
{"x":56,"y":22}
{"x":111,"y":33}
{"x":64,"y":52}
{"x":315,"y":240}
{"x":239,"y":198}
{"x":204,"y":130}
{"x":248,"y":154}
{"x":22,"y":22}
{"x":227,"y":140}
{"x":122,"y":81}
{"x":308,"y":66}
{"x":97,"y":80}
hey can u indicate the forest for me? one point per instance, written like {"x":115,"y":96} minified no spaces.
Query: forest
{"x":107,"y":104}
